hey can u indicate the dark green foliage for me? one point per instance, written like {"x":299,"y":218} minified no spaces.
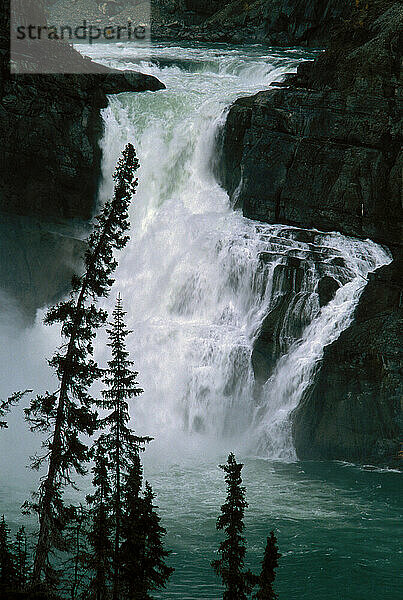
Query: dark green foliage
{"x":132,"y":534}
{"x":121,"y":444}
{"x":74,"y":567}
{"x":229,"y":567}
{"x":156,"y":572}
{"x":268,"y":574}
{"x":100,"y":552}
{"x":6,"y":405}
{"x":21,"y":560}
{"x":8,"y":576}
{"x":68,"y":413}
{"x":143,"y":566}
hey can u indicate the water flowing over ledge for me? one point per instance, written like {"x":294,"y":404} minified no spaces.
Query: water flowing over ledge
{"x":199,"y":279}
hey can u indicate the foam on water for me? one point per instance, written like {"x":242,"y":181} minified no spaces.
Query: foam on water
{"x":192,"y":277}
{"x":197,"y":278}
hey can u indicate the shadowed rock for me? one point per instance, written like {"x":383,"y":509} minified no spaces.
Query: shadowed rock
{"x":323,"y":150}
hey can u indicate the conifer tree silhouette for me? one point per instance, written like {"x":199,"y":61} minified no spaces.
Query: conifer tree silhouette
{"x":21,"y":560}
{"x":8,"y":577}
{"x":229,"y":567}
{"x":267,"y":576}
{"x":121,"y":444}
{"x":68,"y":413}
{"x":100,"y":556}
{"x":143,"y":555}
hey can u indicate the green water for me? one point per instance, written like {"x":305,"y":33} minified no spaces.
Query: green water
{"x":337,"y":526}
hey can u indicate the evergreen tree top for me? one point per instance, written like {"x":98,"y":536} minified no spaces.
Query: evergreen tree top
{"x":267,"y":576}
{"x":232,"y":511}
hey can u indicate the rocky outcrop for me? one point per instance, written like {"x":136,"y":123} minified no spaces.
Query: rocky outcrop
{"x":275,"y":22}
{"x":323,"y":150}
{"x":50,"y":126}
{"x":37,"y":261}
{"x":278,"y":22}
{"x":353,"y":411}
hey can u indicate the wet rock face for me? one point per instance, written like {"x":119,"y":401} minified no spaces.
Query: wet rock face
{"x":50,"y":127}
{"x":37,"y":261}
{"x":323,"y":150}
{"x":307,"y":279}
{"x":327,"y":288}
{"x":316,"y":158}
{"x":275,"y":22}
{"x":353,"y":410}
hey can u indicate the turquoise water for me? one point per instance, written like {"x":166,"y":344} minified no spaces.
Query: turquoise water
{"x":187,"y":275}
{"x":337,"y":526}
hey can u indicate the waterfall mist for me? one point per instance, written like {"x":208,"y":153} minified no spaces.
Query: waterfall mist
{"x":198,"y":279}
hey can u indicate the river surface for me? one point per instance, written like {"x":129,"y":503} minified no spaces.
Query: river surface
{"x":196,"y":290}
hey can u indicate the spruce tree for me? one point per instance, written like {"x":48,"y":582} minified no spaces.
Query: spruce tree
{"x":155,"y":571}
{"x":67,"y":413}
{"x":267,"y":576}
{"x":121,"y":444}
{"x":74,"y":568}
{"x":143,"y":566}
{"x":100,"y":555}
{"x":7,"y":561}
{"x":232,"y":550}
{"x":21,"y":560}
{"x":132,"y":533}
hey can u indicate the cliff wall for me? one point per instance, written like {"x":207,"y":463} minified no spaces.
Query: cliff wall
{"x":275,"y":22}
{"x":323,"y":150}
{"x":50,"y":127}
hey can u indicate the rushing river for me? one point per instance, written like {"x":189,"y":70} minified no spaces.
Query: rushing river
{"x":197,"y":280}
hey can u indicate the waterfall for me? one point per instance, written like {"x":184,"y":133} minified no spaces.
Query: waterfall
{"x":199,"y":281}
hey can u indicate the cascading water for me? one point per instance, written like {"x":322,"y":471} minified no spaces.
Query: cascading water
{"x":230,"y":318}
{"x":198,"y":279}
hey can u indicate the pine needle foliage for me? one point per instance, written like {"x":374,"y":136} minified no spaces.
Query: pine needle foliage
{"x":132,"y":534}
{"x":229,"y":567}
{"x":156,"y":572}
{"x":21,"y":562}
{"x":100,"y":552}
{"x":121,"y":443}
{"x":8,"y":577}
{"x":68,"y":413}
{"x":268,"y":574}
{"x":143,"y":556}
{"x":6,"y":405}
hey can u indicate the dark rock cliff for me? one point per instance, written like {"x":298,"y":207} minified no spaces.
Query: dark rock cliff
{"x":323,"y":150}
{"x":353,"y":411}
{"x":278,"y":22}
{"x":275,"y":22}
{"x":50,"y":126}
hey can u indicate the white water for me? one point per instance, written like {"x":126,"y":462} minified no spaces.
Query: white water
{"x":192,"y":277}
{"x":192,"y":280}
